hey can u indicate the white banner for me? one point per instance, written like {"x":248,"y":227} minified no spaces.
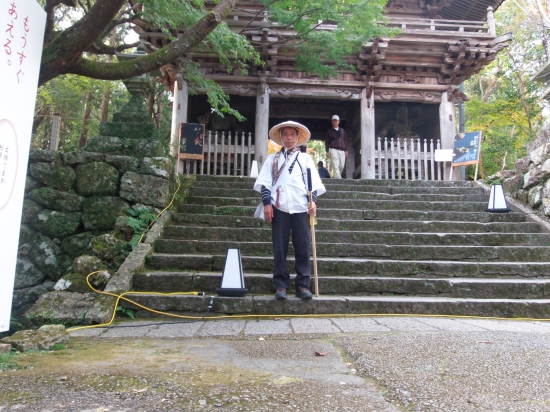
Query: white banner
{"x":22,"y":24}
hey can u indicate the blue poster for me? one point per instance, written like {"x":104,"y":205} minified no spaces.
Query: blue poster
{"x":466,"y":148}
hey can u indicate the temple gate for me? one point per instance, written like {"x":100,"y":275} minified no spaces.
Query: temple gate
{"x":397,"y":108}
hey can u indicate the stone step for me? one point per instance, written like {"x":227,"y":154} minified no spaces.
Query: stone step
{"x":417,"y":197}
{"x":354,"y":204}
{"x":372,"y":251}
{"x":345,"y":236}
{"x":355,"y":182}
{"x":345,"y":187}
{"x":355,"y":215}
{"x":339,"y":266}
{"x":423,"y":216}
{"x":343,"y":305}
{"x":208,"y":282}
{"x":205,"y":220}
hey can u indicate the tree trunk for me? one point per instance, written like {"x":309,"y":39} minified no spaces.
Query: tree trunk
{"x":135,"y":67}
{"x":86,"y":120}
{"x":105,"y":98}
{"x":67,"y":47}
{"x":42,"y":113}
{"x":151,"y":102}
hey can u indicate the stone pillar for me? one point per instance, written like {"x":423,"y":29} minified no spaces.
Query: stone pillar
{"x":179,"y":115}
{"x":56,"y":126}
{"x":367,"y":135}
{"x":262,"y":123}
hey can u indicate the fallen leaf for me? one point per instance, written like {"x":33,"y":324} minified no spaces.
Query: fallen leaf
{"x":320,"y":354}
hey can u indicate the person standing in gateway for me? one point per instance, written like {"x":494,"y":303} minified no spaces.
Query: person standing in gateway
{"x":283,"y":185}
{"x":336,"y":143}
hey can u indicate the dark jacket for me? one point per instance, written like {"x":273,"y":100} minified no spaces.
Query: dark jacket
{"x":323,"y":173}
{"x":336,"y":139}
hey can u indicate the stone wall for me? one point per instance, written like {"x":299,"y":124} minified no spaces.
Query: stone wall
{"x":530,"y":181}
{"x":75,"y":213}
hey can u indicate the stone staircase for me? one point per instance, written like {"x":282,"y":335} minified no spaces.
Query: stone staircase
{"x":391,"y":246}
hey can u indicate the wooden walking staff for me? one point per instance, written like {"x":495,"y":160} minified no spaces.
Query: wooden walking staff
{"x":312,"y":223}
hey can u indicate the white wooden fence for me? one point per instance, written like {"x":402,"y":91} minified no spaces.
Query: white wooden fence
{"x":227,"y":154}
{"x":224,"y":154}
{"x":408,"y":158}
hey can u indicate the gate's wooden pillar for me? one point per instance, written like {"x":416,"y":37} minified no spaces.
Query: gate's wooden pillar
{"x":350,"y":160}
{"x":262,"y":123}
{"x":179,"y":115}
{"x":367,"y":134}
{"x":447,"y":124}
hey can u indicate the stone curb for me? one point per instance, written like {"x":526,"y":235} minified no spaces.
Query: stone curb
{"x":101,"y":311}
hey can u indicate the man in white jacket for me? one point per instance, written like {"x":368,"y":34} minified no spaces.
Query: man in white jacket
{"x":283,"y":185}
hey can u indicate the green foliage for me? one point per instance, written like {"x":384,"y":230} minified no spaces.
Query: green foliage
{"x":66,"y":95}
{"x":138,"y":221}
{"x":352,"y":23}
{"x":505,"y":104}
{"x":319,"y":151}
{"x":8,"y":361}
{"x":125,"y":311}
{"x":217,"y":98}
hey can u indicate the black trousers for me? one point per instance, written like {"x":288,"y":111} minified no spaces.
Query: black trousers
{"x":282,"y":225}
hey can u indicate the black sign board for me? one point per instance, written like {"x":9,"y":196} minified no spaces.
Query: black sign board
{"x":466,"y":149}
{"x":191,"y":140}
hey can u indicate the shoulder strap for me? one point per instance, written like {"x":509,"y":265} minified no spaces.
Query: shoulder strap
{"x":284,"y":175}
{"x":302,"y":170}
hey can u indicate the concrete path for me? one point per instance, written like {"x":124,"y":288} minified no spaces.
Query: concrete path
{"x":384,"y":363}
{"x":310,"y":327}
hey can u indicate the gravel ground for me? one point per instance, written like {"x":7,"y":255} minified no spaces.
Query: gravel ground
{"x":456,"y":371}
{"x":188,"y":375}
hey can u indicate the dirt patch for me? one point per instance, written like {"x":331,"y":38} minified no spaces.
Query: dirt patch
{"x":168,"y":375}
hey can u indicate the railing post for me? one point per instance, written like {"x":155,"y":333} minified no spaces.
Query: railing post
{"x":432,"y":154}
{"x":209,"y":152}
{"x":249,"y":165}
{"x":235,"y":163}
{"x":215,"y":172}
{"x":386,"y":158}
{"x":242,"y":153}
{"x":222,"y":154}
{"x":405,"y":160}
{"x":379,"y":159}
{"x":419,"y":147}
{"x":399,"y":172}
{"x":426,"y":177}
{"x":412,"y":160}
{"x":392,"y":167}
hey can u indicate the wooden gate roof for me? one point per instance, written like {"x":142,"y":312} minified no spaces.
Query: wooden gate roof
{"x":442,"y":43}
